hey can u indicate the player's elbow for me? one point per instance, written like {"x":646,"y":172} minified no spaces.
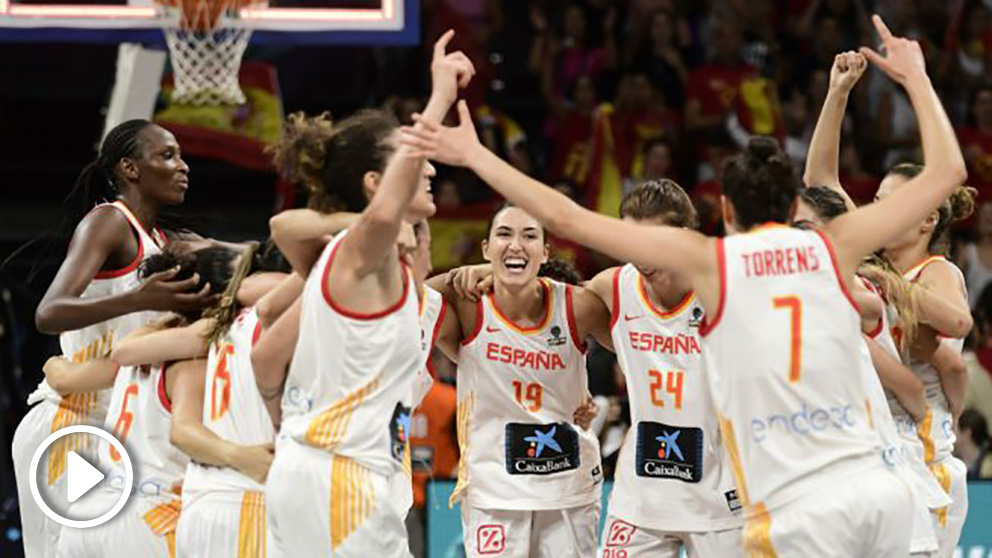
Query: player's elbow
{"x":45,"y":319}
{"x":265,"y":368}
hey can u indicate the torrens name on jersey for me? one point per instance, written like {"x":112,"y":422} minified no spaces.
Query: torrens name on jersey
{"x":538,"y":360}
{"x":654,"y":343}
{"x":781,"y":261}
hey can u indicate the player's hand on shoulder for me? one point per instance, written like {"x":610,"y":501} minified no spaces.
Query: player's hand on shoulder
{"x":471,"y":282}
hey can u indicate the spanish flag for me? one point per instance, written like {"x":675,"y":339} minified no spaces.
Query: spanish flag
{"x":234,"y":134}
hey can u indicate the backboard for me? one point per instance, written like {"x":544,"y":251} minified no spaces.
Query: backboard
{"x":354,"y":22}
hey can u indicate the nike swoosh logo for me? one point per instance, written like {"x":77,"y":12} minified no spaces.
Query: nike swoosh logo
{"x":629,"y":318}
{"x":492,"y":329}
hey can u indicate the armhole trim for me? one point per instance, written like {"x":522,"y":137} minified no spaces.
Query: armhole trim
{"x":840,"y":280}
{"x":721,"y":259}
{"x":573,"y":330}
{"x":359,"y":315}
{"x":434,"y":336}
{"x":615,"y":314}
{"x":114,"y":273}
{"x":163,"y":396}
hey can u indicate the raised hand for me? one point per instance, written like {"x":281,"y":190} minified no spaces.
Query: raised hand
{"x":847,"y":70}
{"x":903,"y":58}
{"x":445,"y":144}
{"x":449,"y":71}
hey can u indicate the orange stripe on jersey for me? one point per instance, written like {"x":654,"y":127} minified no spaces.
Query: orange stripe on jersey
{"x":674,"y":312}
{"x":352,"y":498}
{"x":871,"y":421}
{"x":913,"y":273}
{"x":74,"y":408}
{"x":758,"y":534}
{"x":163,"y":519}
{"x":465,"y":408}
{"x":944,"y":478}
{"x":251,"y":530}
{"x":923,"y":431}
{"x":730,"y":444}
{"x":521,"y":329}
{"x":328,"y":428}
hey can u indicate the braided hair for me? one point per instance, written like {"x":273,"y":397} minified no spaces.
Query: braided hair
{"x":98,"y":181}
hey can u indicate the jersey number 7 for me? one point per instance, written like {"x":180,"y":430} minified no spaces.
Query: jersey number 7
{"x":794,"y":305}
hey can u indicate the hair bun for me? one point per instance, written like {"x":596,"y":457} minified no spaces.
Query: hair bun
{"x":963,"y":202}
{"x":763,"y":148}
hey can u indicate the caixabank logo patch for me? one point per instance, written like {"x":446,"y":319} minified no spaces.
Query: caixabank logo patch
{"x":541,"y":449}
{"x":669,"y":452}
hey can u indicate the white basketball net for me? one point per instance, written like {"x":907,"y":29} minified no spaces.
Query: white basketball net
{"x":206,"y":49}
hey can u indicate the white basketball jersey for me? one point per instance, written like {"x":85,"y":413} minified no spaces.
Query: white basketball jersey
{"x":518,"y":388}
{"x":937,"y":428}
{"x":349,"y":389}
{"x":139,"y":418}
{"x":783,"y":358}
{"x":671,"y":473}
{"x":96,"y":341}
{"x":432,"y":311}
{"x":233,"y":408}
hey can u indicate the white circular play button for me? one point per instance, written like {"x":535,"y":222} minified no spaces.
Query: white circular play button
{"x":81,"y":476}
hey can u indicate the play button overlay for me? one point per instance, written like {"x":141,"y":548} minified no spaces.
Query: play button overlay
{"x":81,"y":476}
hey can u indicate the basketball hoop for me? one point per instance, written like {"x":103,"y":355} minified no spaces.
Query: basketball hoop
{"x":206,"y":42}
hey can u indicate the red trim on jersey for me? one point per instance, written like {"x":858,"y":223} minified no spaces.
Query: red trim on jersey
{"x":663,"y":314}
{"x":480,"y":315}
{"x":434,"y":336}
{"x":840,"y":280}
{"x":573,"y":330}
{"x":721,"y":261}
{"x":257,"y":333}
{"x":358,"y":315}
{"x":881,"y":321}
{"x":163,"y":396}
{"x":114,"y":273}
{"x":548,"y":295}
{"x":615,"y":315}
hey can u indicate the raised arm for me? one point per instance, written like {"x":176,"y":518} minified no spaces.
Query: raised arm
{"x":302,"y":233}
{"x":679,"y":250}
{"x":104,"y":238}
{"x":271,"y":356}
{"x":822,"y":162}
{"x":869,"y":228}
{"x":184,"y":383}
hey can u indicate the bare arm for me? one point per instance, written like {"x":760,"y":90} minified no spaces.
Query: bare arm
{"x":257,"y":285}
{"x":592,"y":317}
{"x":302,"y":233}
{"x":278,"y":300}
{"x":898,"y":379}
{"x":942,"y":302}
{"x":65,"y":377}
{"x":682,"y":251}
{"x":177,"y":343}
{"x":824,"y":148}
{"x":449,"y":333}
{"x":602,"y":286}
{"x":184,"y":385}
{"x":953,"y":376}
{"x":271,"y":356}
{"x":870,"y":304}
{"x":869,"y":228}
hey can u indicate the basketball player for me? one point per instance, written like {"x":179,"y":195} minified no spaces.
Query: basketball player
{"x":813,"y":490}
{"x":96,"y":298}
{"x":347,"y":397}
{"x":903,"y":394}
{"x":674,"y":487}
{"x":940,"y":305}
{"x":140,"y":416}
{"x":528,"y":480}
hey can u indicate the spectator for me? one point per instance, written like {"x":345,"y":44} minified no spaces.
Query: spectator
{"x":571,"y":130}
{"x":503,"y":136}
{"x":659,"y":57}
{"x":979,"y":362}
{"x":973,"y":445}
{"x":976,"y":141}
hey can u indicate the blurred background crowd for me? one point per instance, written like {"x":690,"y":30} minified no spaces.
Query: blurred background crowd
{"x":592,"y":96}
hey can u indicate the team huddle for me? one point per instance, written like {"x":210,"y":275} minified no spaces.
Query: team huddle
{"x":793,"y":385}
